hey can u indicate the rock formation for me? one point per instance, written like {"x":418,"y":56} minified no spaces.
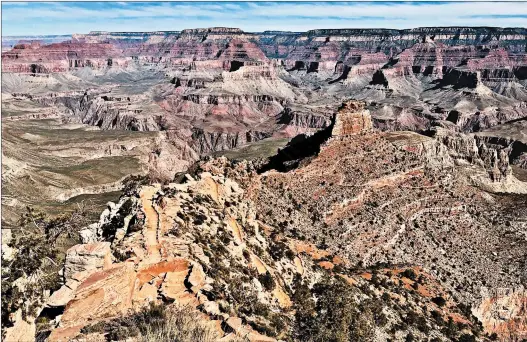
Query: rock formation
{"x":351,"y":119}
{"x":503,"y":313}
{"x":404,"y":145}
{"x":159,"y":261}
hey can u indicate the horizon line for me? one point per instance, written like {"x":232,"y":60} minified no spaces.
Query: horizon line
{"x":271,"y":30}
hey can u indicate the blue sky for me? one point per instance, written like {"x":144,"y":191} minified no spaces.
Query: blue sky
{"x":43,"y":18}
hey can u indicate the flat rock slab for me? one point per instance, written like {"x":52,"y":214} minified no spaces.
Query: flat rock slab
{"x":64,"y":334}
{"x":149,"y":272}
{"x":102,"y":295}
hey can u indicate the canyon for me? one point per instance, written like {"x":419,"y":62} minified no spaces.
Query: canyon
{"x":394,"y":161}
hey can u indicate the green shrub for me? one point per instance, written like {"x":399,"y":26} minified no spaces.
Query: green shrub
{"x":439,"y":301}
{"x":39,"y":243}
{"x":467,"y":338}
{"x":132,"y":183}
{"x":267,"y":281}
{"x":279,"y":250}
{"x":156,"y":323}
{"x":409,"y":273}
{"x":336,"y":316}
{"x":450,"y":329}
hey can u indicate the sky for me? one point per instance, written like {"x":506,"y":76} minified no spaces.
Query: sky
{"x":47,"y":18}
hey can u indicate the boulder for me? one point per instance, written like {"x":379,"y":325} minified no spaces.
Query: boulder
{"x":87,"y":257}
{"x":197,"y":277}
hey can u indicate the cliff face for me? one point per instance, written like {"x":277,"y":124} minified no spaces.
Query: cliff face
{"x":460,"y":44}
{"x":503,"y":312}
{"x":435,"y":70}
{"x":60,"y":57}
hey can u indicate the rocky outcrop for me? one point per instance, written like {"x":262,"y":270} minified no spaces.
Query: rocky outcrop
{"x":465,"y":148}
{"x":158,"y":263}
{"x":487,"y":165}
{"x":206,"y":142}
{"x":87,"y":257}
{"x":104,"y":293}
{"x":352,"y":118}
{"x":104,"y":112}
{"x":80,"y":261}
{"x":503,"y":312}
{"x":303,"y":119}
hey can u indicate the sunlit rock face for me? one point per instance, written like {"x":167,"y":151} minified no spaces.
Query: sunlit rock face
{"x":351,"y":119}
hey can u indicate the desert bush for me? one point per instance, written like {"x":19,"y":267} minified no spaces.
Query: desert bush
{"x":336,"y":315}
{"x":439,"y":301}
{"x":467,"y":338}
{"x":267,"y":281}
{"x":450,"y":329}
{"x":133,"y":182}
{"x":110,"y":228}
{"x":157,"y":323}
{"x":409,"y":273}
{"x":39,"y":243}
{"x":304,"y":307}
{"x":279,"y":250}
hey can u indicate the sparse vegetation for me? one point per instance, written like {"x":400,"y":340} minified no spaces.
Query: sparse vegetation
{"x":334,"y":317}
{"x":439,"y":301}
{"x":39,"y":244}
{"x":156,"y":323}
{"x":267,"y":281}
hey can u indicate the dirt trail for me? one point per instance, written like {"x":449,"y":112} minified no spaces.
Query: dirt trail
{"x":151,"y":224}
